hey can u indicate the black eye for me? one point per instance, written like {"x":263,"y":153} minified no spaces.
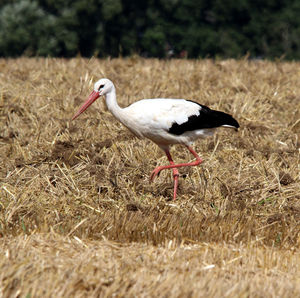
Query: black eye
{"x":100,"y":87}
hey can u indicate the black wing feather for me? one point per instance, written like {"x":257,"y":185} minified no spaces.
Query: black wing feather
{"x":207,"y":118}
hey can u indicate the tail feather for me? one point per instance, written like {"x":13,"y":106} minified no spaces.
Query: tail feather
{"x":218,"y":118}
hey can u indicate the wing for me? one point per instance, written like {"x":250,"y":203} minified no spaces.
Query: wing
{"x":162,"y":113}
{"x":205,"y":119}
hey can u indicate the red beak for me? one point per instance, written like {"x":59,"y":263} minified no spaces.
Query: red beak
{"x":92,"y":97}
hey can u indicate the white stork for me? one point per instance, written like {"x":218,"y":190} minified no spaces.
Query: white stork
{"x":164,"y":121}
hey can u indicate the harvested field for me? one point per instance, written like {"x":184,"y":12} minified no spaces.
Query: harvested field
{"x":78,"y":216}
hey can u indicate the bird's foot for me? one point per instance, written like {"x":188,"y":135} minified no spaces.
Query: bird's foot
{"x":157,"y":170}
{"x":155,"y":173}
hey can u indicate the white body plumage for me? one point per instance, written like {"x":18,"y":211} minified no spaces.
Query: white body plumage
{"x":152,"y":119}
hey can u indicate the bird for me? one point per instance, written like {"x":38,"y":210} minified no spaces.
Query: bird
{"x":165,"y":121}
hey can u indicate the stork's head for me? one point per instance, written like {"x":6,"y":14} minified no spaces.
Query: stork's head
{"x":101,"y":87}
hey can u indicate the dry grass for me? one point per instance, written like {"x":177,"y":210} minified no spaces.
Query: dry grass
{"x":78,"y":216}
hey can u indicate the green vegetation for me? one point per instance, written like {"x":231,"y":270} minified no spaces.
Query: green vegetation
{"x":155,"y":28}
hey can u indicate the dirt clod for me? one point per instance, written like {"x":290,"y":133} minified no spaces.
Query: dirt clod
{"x":285,"y":178}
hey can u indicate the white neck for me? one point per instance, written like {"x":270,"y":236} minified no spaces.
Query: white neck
{"x":119,"y":113}
{"x":112,"y":105}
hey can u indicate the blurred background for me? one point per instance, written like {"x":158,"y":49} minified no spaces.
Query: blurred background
{"x":155,"y":28}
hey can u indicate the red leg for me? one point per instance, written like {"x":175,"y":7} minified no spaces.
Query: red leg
{"x":175,"y":173}
{"x":175,"y":166}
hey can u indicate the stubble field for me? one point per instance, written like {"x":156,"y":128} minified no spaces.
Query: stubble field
{"x":79,"y":217}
